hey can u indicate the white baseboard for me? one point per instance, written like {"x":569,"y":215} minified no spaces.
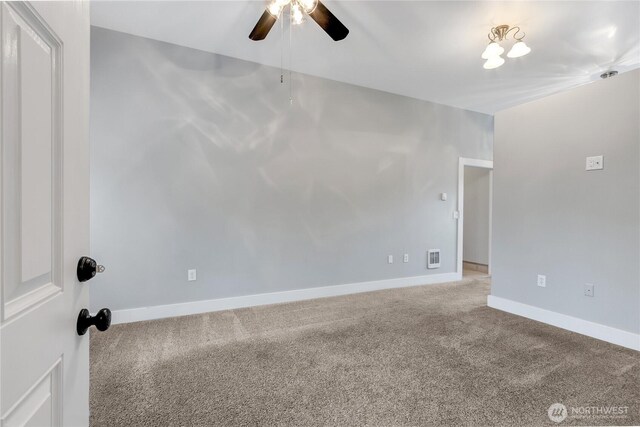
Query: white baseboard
{"x":195,"y":307}
{"x":573,"y":324}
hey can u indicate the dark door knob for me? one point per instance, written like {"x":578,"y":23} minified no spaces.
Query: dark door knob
{"x":102,"y":320}
{"x":87,"y":268}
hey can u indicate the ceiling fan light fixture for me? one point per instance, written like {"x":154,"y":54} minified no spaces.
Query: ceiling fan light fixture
{"x":493,"y":49}
{"x":317,"y":11}
{"x":274,"y":9}
{"x":296,"y":14}
{"x":276,"y":6}
{"x":519,"y":49}
{"x":493,"y":62}
{"x":308,"y":5}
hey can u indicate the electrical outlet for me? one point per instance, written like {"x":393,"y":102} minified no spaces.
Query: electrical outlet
{"x":390,"y":259}
{"x":595,"y":163}
{"x":542,"y":281}
{"x":406,"y":258}
{"x":191,"y":275}
{"x":588,"y":290}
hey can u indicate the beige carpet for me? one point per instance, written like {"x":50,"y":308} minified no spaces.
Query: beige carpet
{"x":430,"y":355}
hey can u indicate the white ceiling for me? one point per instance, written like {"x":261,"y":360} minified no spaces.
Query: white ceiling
{"x":423,"y":49}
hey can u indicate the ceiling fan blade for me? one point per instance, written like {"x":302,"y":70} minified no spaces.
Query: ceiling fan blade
{"x":263,"y":26}
{"x":329,"y":23}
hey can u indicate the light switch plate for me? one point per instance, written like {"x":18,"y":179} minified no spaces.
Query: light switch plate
{"x":595,"y":163}
{"x":390,"y":259}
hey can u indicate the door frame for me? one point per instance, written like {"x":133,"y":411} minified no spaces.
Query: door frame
{"x":477,"y":163}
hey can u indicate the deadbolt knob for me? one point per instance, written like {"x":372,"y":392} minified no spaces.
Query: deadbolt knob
{"x":102,"y":320}
{"x":87,"y":268}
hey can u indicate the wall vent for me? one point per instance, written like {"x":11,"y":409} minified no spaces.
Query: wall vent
{"x":433,"y":258}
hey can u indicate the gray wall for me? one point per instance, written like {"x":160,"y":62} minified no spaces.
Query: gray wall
{"x":552,"y":217}
{"x":199,"y":161}
{"x":477,"y":186}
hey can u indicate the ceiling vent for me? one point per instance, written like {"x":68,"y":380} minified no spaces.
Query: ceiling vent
{"x":433,"y":258}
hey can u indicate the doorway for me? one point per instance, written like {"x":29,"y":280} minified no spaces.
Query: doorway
{"x":474,"y":223}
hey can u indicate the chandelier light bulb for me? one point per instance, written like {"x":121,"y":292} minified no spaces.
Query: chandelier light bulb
{"x":493,"y":62}
{"x":519,"y":49}
{"x":493,"y":49}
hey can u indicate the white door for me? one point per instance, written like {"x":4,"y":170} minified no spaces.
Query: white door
{"x":44,"y":364}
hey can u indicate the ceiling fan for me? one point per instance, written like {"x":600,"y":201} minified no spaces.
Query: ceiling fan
{"x":314,"y":8}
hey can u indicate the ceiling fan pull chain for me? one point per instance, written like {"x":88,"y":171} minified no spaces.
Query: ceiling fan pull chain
{"x":281,"y":48}
{"x":290,"y":56}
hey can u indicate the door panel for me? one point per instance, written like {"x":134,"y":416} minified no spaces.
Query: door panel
{"x":35,"y":67}
{"x":44,"y":364}
{"x":31,"y":162}
{"x":41,"y":405}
